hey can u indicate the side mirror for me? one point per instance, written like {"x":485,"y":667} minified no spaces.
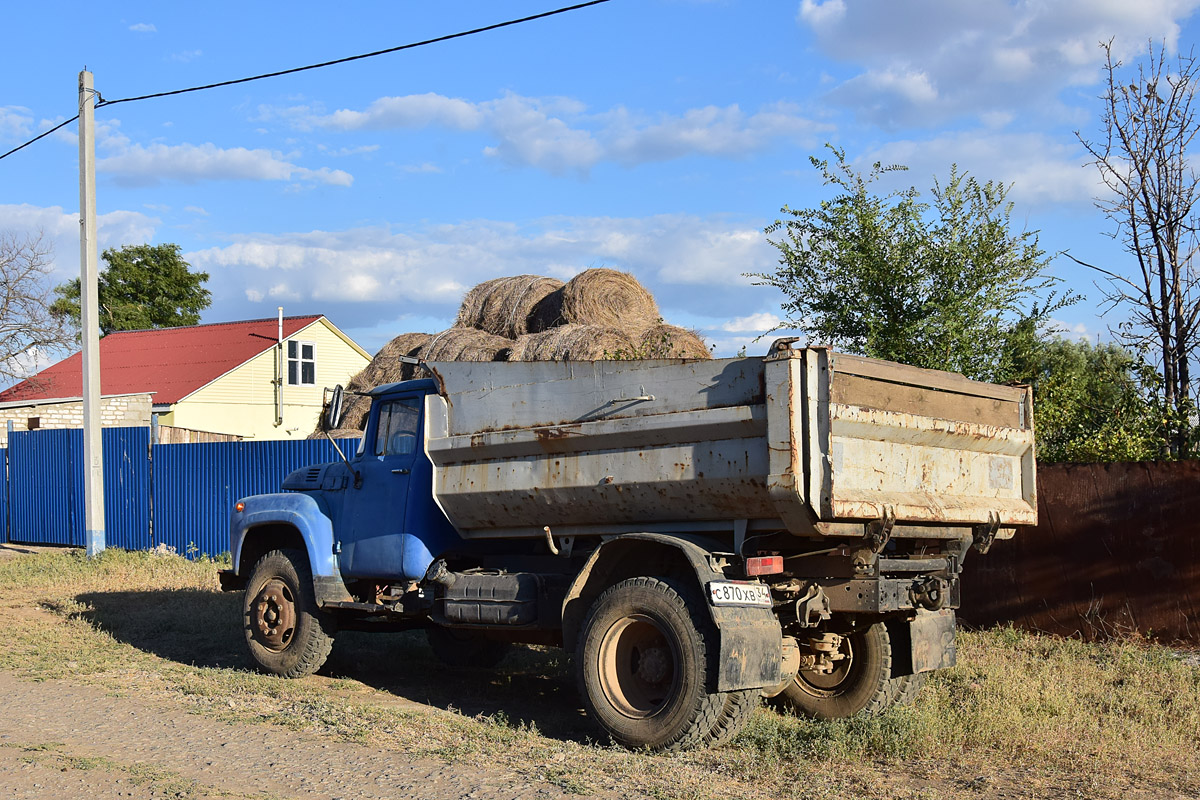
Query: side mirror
{"x":331,"y":415}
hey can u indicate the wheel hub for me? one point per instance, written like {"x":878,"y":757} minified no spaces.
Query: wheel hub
{"x":274,"y":610}
{"x":638,"y":668}
{"x":830,"y":679}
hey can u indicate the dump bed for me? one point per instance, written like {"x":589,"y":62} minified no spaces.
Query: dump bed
{"x":804,"y":440}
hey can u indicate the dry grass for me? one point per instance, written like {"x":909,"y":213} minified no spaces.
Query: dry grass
{"x":571,"y":343}
{"x":512,"y":306}
{"x":671,"y":341}
{"x":466,"y":344}
{"x":609,"y":299}
{"x":1022,"y":715}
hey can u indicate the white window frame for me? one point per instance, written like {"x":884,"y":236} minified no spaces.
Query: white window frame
{"x":300,"y":361}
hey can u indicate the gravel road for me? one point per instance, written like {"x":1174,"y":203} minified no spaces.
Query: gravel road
{"x":61,"y":740}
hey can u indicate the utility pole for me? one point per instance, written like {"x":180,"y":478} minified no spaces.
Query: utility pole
{"x":89,"y":305}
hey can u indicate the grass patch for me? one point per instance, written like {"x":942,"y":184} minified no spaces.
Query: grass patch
{"x":1021,"y":711}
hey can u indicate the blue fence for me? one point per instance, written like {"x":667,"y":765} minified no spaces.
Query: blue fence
{"x":196,"y":485}
{"x":174,"y":494}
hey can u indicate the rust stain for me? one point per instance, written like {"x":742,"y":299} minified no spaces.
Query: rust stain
{"x":1117,"y":551}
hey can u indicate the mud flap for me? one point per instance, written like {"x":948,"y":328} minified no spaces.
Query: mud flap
{"x":750,"y":652}
{"x":932,"y":634}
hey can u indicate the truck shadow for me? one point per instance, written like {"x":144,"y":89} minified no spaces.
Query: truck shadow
{"x":532,"y":686}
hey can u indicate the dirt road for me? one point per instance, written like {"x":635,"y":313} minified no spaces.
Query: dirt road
{"x":61,"y":740}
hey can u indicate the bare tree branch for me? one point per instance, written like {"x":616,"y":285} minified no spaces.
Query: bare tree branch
{"x":1149,"y":125}
{"x":27,"y":328}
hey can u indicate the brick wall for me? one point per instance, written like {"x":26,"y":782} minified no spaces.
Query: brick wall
{"x":115,"y":412}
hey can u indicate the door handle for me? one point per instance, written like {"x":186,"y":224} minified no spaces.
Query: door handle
{"x":401,"y":471}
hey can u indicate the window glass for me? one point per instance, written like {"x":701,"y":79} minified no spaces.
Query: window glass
{"x":396,"y":432}
{"x":302,"y":363}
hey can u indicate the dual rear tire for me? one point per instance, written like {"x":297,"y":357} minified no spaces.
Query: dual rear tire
{"x":863,"y":680}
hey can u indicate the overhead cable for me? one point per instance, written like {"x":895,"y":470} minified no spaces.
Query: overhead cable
{"x":101,"y":102}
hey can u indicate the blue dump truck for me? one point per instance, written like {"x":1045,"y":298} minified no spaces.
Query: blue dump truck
{"x":697,"y":534}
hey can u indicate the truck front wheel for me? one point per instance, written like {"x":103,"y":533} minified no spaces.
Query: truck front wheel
{"x":861,"y":681}
{"x":642,"y":662}
{"x":286,"y":632}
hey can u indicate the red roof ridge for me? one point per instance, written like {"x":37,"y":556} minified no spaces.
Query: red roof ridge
{"x":313,"y":317}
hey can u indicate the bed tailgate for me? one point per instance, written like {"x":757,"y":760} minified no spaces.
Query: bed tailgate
{"x":858,"y":439}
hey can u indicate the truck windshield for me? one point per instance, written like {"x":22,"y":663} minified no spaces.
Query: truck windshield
{"x":396,"y":433}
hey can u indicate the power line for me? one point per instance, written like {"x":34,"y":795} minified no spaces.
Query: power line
{"x":410,"y":46}
{"x":40,"y":136}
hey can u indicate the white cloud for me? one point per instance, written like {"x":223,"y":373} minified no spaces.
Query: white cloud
{"x":15,"y":122}
{"x":411,"y":111}
{"x":927,"y":61}
{"x":424,"y":167}
{"x":143,"y":27}
{"x":350,"y":151}
{"x":185,"y":56}
{"x":60,"y":229}
{"x":149,"y":164}
{"x":693,"y":265}
{"x":822,"y":13}
{"x":755,"y":323}
{"x":1069,"y":330}
{"x":31,"y":361}
{"x":1042,"y":169}
{"x":558,"y":134}
{"x":197,"y":210}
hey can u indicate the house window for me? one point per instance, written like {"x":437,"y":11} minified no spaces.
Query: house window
{"x":302,"y":363}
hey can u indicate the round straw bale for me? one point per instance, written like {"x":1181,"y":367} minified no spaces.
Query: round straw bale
{"x":670,"y":341}
{"x":386,"y":368}
{"x":504,"y":306}
{"x":610,"y":299}
{"x":466,"y":344}
{"x":573,"y":343}
{"x":354,"y":411}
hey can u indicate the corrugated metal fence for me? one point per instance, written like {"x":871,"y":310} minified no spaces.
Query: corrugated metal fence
{"x":1116,"y":551}
{"x":196,"y":485}
{"x":174,"y":494}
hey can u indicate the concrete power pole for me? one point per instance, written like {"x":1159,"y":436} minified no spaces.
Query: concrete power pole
{"x":89,"y":306}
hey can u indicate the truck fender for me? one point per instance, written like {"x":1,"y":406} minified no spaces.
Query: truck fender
{"x":287,"y":519}
{"x":749,"y":648}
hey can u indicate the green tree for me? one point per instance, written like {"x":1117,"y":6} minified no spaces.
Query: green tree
{"x":143,"y":286}
{"x":1091,"y":402}
{"x":940,"y":285}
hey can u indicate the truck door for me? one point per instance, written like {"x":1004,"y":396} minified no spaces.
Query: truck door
{"x":374,"y":535}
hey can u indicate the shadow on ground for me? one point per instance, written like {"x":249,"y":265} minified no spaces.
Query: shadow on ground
{"x":204,"y":629}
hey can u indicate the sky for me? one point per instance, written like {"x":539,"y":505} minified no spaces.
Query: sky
{"x":658,"y":137}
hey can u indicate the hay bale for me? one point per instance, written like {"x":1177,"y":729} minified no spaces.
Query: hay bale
{"x":511,"y":307}
{"x":573,"y":343}
{"x":670,"y":341}
{"x":341,"y":433}
{"x":466,"y":344}
{"x":385,"y":368}
{"x":609,"y":299}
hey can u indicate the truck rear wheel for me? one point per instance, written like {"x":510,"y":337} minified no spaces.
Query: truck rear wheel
{"x":465,"y":648}
{"x":861,"y":682}
{"x":286,"y":632}
{"x":642,"y":666}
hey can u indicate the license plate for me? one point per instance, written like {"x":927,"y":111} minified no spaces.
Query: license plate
{"x":727,"y":593}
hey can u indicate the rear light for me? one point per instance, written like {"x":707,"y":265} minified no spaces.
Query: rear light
{"x":764,"y":565}
{"x":239,"y":506}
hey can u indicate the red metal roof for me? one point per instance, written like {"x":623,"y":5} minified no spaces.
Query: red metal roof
{"x":171,"y":362}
